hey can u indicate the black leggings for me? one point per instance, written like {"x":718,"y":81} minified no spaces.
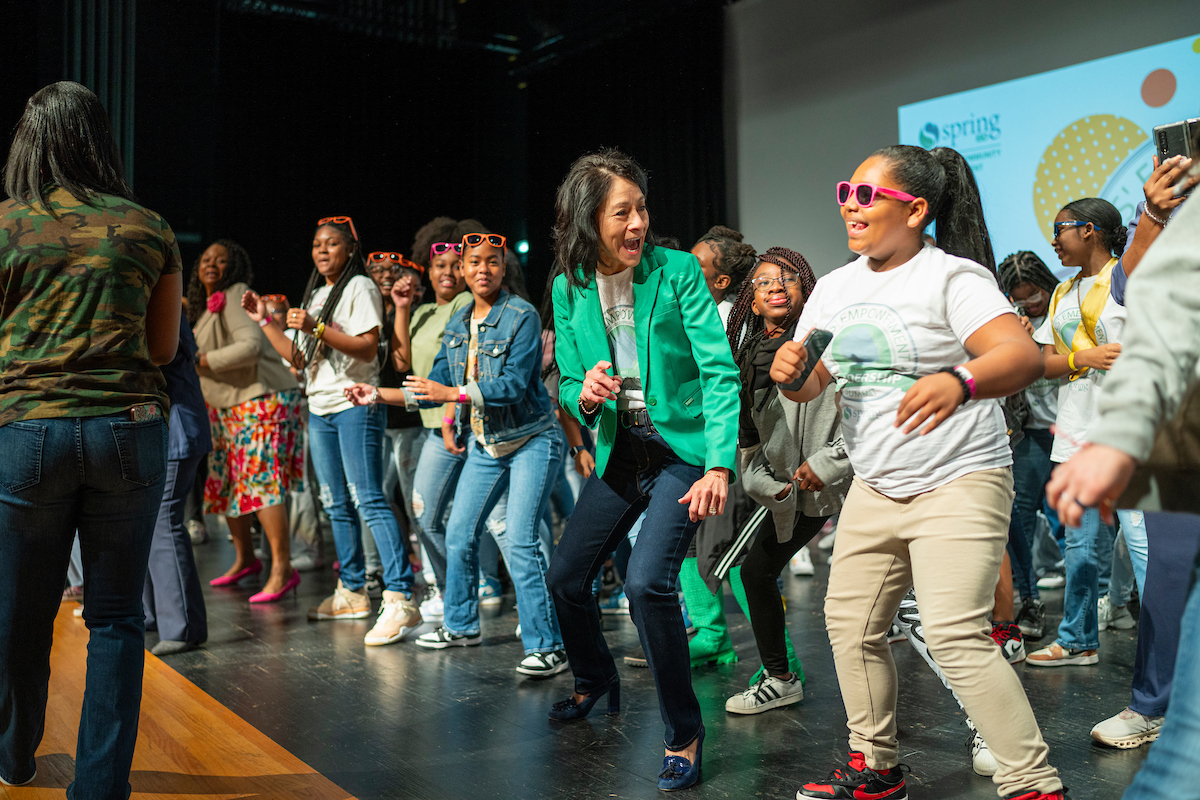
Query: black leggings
{"x":765,"y":560}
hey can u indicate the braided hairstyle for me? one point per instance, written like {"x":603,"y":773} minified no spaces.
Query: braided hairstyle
{"x":1025,"y":267}
{"x":237,"y":271}
{"x":1105,"y":218}
{"x":357,"y":265}
{"x":731,"y":256}
{"x":746,"y":329}
{"x":944,"y":178}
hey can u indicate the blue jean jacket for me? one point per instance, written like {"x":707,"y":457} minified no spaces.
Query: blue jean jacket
{"x":509,"y":393}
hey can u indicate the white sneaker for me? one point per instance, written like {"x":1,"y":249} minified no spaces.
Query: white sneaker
{"x":1115,"y":617}
{"x":342,"y":604}
{"x":442,"y":638}
{"x":306,"y":562}
{"x":802,"y":562}
{"x":982,"y":760}
{"x":826,"y":542}
{"x":433,"y":607}
{"x":489,"y":594}
{"x":543,"y":665}
{"x":398,"y":616}
{"x":770,"y":692}
{"x":1052,"y":580}
{"x":197,"y":531}
{"x":1127,"y":730}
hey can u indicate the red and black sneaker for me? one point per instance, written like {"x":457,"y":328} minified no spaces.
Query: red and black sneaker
{"x":857,"y":781}
{"x":1061,"y":794}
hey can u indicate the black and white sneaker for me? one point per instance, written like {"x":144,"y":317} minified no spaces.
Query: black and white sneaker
{"x":442,"y":638}
{"x":543,"y":665}
{"x":770,"y":692}
{"x":374,"y":585}
{"x":1032,"y":618}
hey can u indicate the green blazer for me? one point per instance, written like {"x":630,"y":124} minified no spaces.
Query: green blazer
{"x":689,"y":378}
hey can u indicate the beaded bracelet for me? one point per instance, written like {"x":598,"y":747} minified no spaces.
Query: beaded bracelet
{"x":966,"y":388}
{"x":1162,"y":223}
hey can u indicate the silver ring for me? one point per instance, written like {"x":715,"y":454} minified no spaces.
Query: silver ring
{"x":712,"y":509}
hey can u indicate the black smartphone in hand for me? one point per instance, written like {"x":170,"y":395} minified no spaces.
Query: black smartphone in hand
{"x":814,"y":345}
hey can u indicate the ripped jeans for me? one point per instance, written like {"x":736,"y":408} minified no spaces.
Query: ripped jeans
{"x":347,"y":451}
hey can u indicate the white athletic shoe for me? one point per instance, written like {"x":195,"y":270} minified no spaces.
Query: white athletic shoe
{"x":802,"y":563}
{"x":1127,"y":730}
{"x":543,"y":665}
{"x":770,"y":692}
{"x":398,"y":617}
{"x":982,"y":760}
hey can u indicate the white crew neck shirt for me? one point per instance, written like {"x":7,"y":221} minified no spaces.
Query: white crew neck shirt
{"x":359,"y":309}
{"x":616,"y":301}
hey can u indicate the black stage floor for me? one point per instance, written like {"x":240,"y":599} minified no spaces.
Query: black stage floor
{"x":402,"y":722}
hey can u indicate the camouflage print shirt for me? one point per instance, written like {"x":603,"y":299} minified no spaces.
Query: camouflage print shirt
{"x":73,"y":298}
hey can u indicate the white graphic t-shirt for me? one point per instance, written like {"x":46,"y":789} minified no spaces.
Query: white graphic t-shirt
{"x":890,"y":329}
{"x":1042,"y":396}
{"x":1077,"y":398}
{"x":359,"y":310}
{"x":616,"y":300}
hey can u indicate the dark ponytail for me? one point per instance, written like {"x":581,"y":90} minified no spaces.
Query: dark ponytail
{"x":1104,"y":218}
{"x":944,"y":178}
{"x":732,"y":256}
{"x":357,"y":265}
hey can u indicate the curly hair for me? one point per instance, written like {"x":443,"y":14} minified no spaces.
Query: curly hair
{"x":1025,"y":267}
{"x":438,"y":229}
{"x":731,"y":255}
{"x":237,"y":271}
{"x":746,"y":329}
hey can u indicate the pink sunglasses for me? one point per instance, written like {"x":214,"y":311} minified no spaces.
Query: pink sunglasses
{"x":865,"y":193}
{"x":444,"y":247}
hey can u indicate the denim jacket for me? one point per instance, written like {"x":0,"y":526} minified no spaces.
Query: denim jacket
{"x":509,"y":394}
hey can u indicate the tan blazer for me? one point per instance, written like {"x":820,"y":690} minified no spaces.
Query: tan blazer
{"x":242,"y":363}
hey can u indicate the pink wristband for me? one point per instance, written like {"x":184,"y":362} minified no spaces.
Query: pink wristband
{"x":448,"y":420}
{"x":463,"y":397}
{"x":968,"y":379}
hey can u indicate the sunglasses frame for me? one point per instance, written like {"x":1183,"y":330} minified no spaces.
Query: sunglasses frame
{"x":397,"y":259}
{"x":340,"y":220}
{"x":489,"y":238}
{"x":1056,"y":227}
{"x":876,"y":190}
{"x":446,"y":247}
{"x":274,"y":298}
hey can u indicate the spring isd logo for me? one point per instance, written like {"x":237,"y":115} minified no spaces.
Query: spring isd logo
{"x":870,"y":342}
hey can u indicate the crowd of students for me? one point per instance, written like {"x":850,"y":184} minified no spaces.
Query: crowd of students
{"x":700,"y":416}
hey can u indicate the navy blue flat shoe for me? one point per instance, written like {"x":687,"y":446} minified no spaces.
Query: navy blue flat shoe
{"x":568,"y":710}
{"x":679,"y":773}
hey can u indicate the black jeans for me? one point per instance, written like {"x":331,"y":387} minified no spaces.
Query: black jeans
{"x":765,"y":560}
{"x":643,"y":474}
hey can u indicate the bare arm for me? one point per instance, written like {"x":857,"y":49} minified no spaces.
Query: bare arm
{"x":162,"y":318}
{"x":789,"y":362}
{"x":401,"y":337}
{"x":1161,"y":202}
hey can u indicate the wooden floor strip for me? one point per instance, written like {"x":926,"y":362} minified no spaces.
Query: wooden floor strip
{"x":189,"y":745}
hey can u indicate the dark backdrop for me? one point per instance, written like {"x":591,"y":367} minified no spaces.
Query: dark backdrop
{"x":253,"y":127}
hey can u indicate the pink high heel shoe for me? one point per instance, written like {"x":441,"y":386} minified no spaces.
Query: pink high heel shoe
{"x":272,"y":597}
{"x":229,"y":580}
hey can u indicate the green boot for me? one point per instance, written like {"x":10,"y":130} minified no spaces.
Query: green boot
{"x":711,"y":642}
{"x":739,"y":591}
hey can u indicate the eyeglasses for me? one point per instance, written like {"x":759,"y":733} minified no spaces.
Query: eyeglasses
{"x":476,"y":239}
{"x":444,"y":247}
{"x":785,"y":281}
{"x":865,"y":193}
{"x":378,"y":261}
{"x":339,"y":221}
{"x":275,"y":299}
{"x":1074,"y":223}
{"x":1030,"y":301}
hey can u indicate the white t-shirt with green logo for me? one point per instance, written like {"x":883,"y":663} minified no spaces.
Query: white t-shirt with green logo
{"x":616,"y":301}
{"x":890,"y":329}
{"x":1042,"y":396}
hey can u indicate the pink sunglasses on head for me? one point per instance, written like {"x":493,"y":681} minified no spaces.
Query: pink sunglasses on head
{"x":444,"y":247}
{"x":864,"y":193}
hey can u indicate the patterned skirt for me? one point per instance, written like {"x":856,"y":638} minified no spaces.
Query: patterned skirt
{"x":258,"y":454}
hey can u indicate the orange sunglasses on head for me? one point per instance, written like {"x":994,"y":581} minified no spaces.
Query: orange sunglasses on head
{"x":476,"y":239}
{"x":393,"y":260}
{"x":275,"y":299}
{"x":339,"y":221}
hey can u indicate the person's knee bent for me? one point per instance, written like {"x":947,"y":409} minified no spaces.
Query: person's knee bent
{"x":566,"y":584}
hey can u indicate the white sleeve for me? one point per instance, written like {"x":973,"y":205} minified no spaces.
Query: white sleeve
{"x":361,"y":307}
{"x":972,"y":300}
{"x":1045,"y":332}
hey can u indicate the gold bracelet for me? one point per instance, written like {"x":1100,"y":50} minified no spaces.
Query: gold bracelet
{"x":1071,"y":363}
{"x":320,"y":331}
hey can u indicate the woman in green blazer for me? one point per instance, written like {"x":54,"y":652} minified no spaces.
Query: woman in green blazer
{"x":645,"y":365}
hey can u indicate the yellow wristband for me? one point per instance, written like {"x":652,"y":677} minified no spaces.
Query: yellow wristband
{"x":1071,"y":363}
{"x":320,"y":330}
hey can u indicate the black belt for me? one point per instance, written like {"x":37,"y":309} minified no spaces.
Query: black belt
{"x":634,"y":418}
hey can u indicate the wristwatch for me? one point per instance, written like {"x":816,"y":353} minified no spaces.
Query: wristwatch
{"x":576,"y":450}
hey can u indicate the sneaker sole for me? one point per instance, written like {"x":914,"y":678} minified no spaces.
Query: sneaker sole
{"x":800,"y":795}
{"x":405,"y":630}
{"x":767,"y":706}
{"x":347,"y":615}
{"x":1130,"y":742}
{"x":488,"y":602}
{"x":1073,"y":661}
{"x":446,"y":645}
{"x":32,"y":778}
{"x":613,"y":611}
{"x":987,"y":771}
{"x":543,"y":673}
{"x":638,"y":663}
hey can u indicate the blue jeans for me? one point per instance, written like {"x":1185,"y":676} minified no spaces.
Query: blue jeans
{"x":1031,"y":470}
{"x":643,"y":474}
{"x":347,"y":453}
{"x":527,"y":475}
{"x":1088,"y":548}
{"x":104,"y":477}
{"x":1169,"y":769}
{"x":1129,"y":561}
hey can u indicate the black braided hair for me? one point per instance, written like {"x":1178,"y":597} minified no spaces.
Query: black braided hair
{"x":731,"y":256}
{"x":1025,"y":267}
{"x":238,"y":270}
{"x":745,"y":329}
{"x":1105,"y":218}
{"x":357,"y":265}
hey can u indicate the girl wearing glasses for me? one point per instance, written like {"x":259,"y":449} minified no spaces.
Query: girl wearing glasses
{"x":645,"y":364}
{"x":1080,"y":339}
{"x":340,"y":320}
{"x":921,"y":336}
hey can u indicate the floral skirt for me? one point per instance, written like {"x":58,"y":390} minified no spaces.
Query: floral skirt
{"x":258,"y":454}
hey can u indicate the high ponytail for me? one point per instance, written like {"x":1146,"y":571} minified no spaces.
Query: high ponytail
{"x":944,"y":178}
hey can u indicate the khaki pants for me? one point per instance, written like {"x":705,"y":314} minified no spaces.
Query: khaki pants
{"x":947,"y":544}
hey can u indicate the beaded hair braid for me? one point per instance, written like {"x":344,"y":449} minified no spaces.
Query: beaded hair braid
{"x":745,"y":328}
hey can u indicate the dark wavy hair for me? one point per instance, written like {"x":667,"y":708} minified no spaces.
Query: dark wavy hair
{"x":64,"y":137}
{"x":1104,"y":217}
{"x":944,"y":178}
{"x":357,"y":265}
{"x":579,"y":198}
{"x":438,"y":229}
{"x":238,"y":270}
{"x":731,"y":255}
{"x":1025,"y":267}
{"x":745,"y":328}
